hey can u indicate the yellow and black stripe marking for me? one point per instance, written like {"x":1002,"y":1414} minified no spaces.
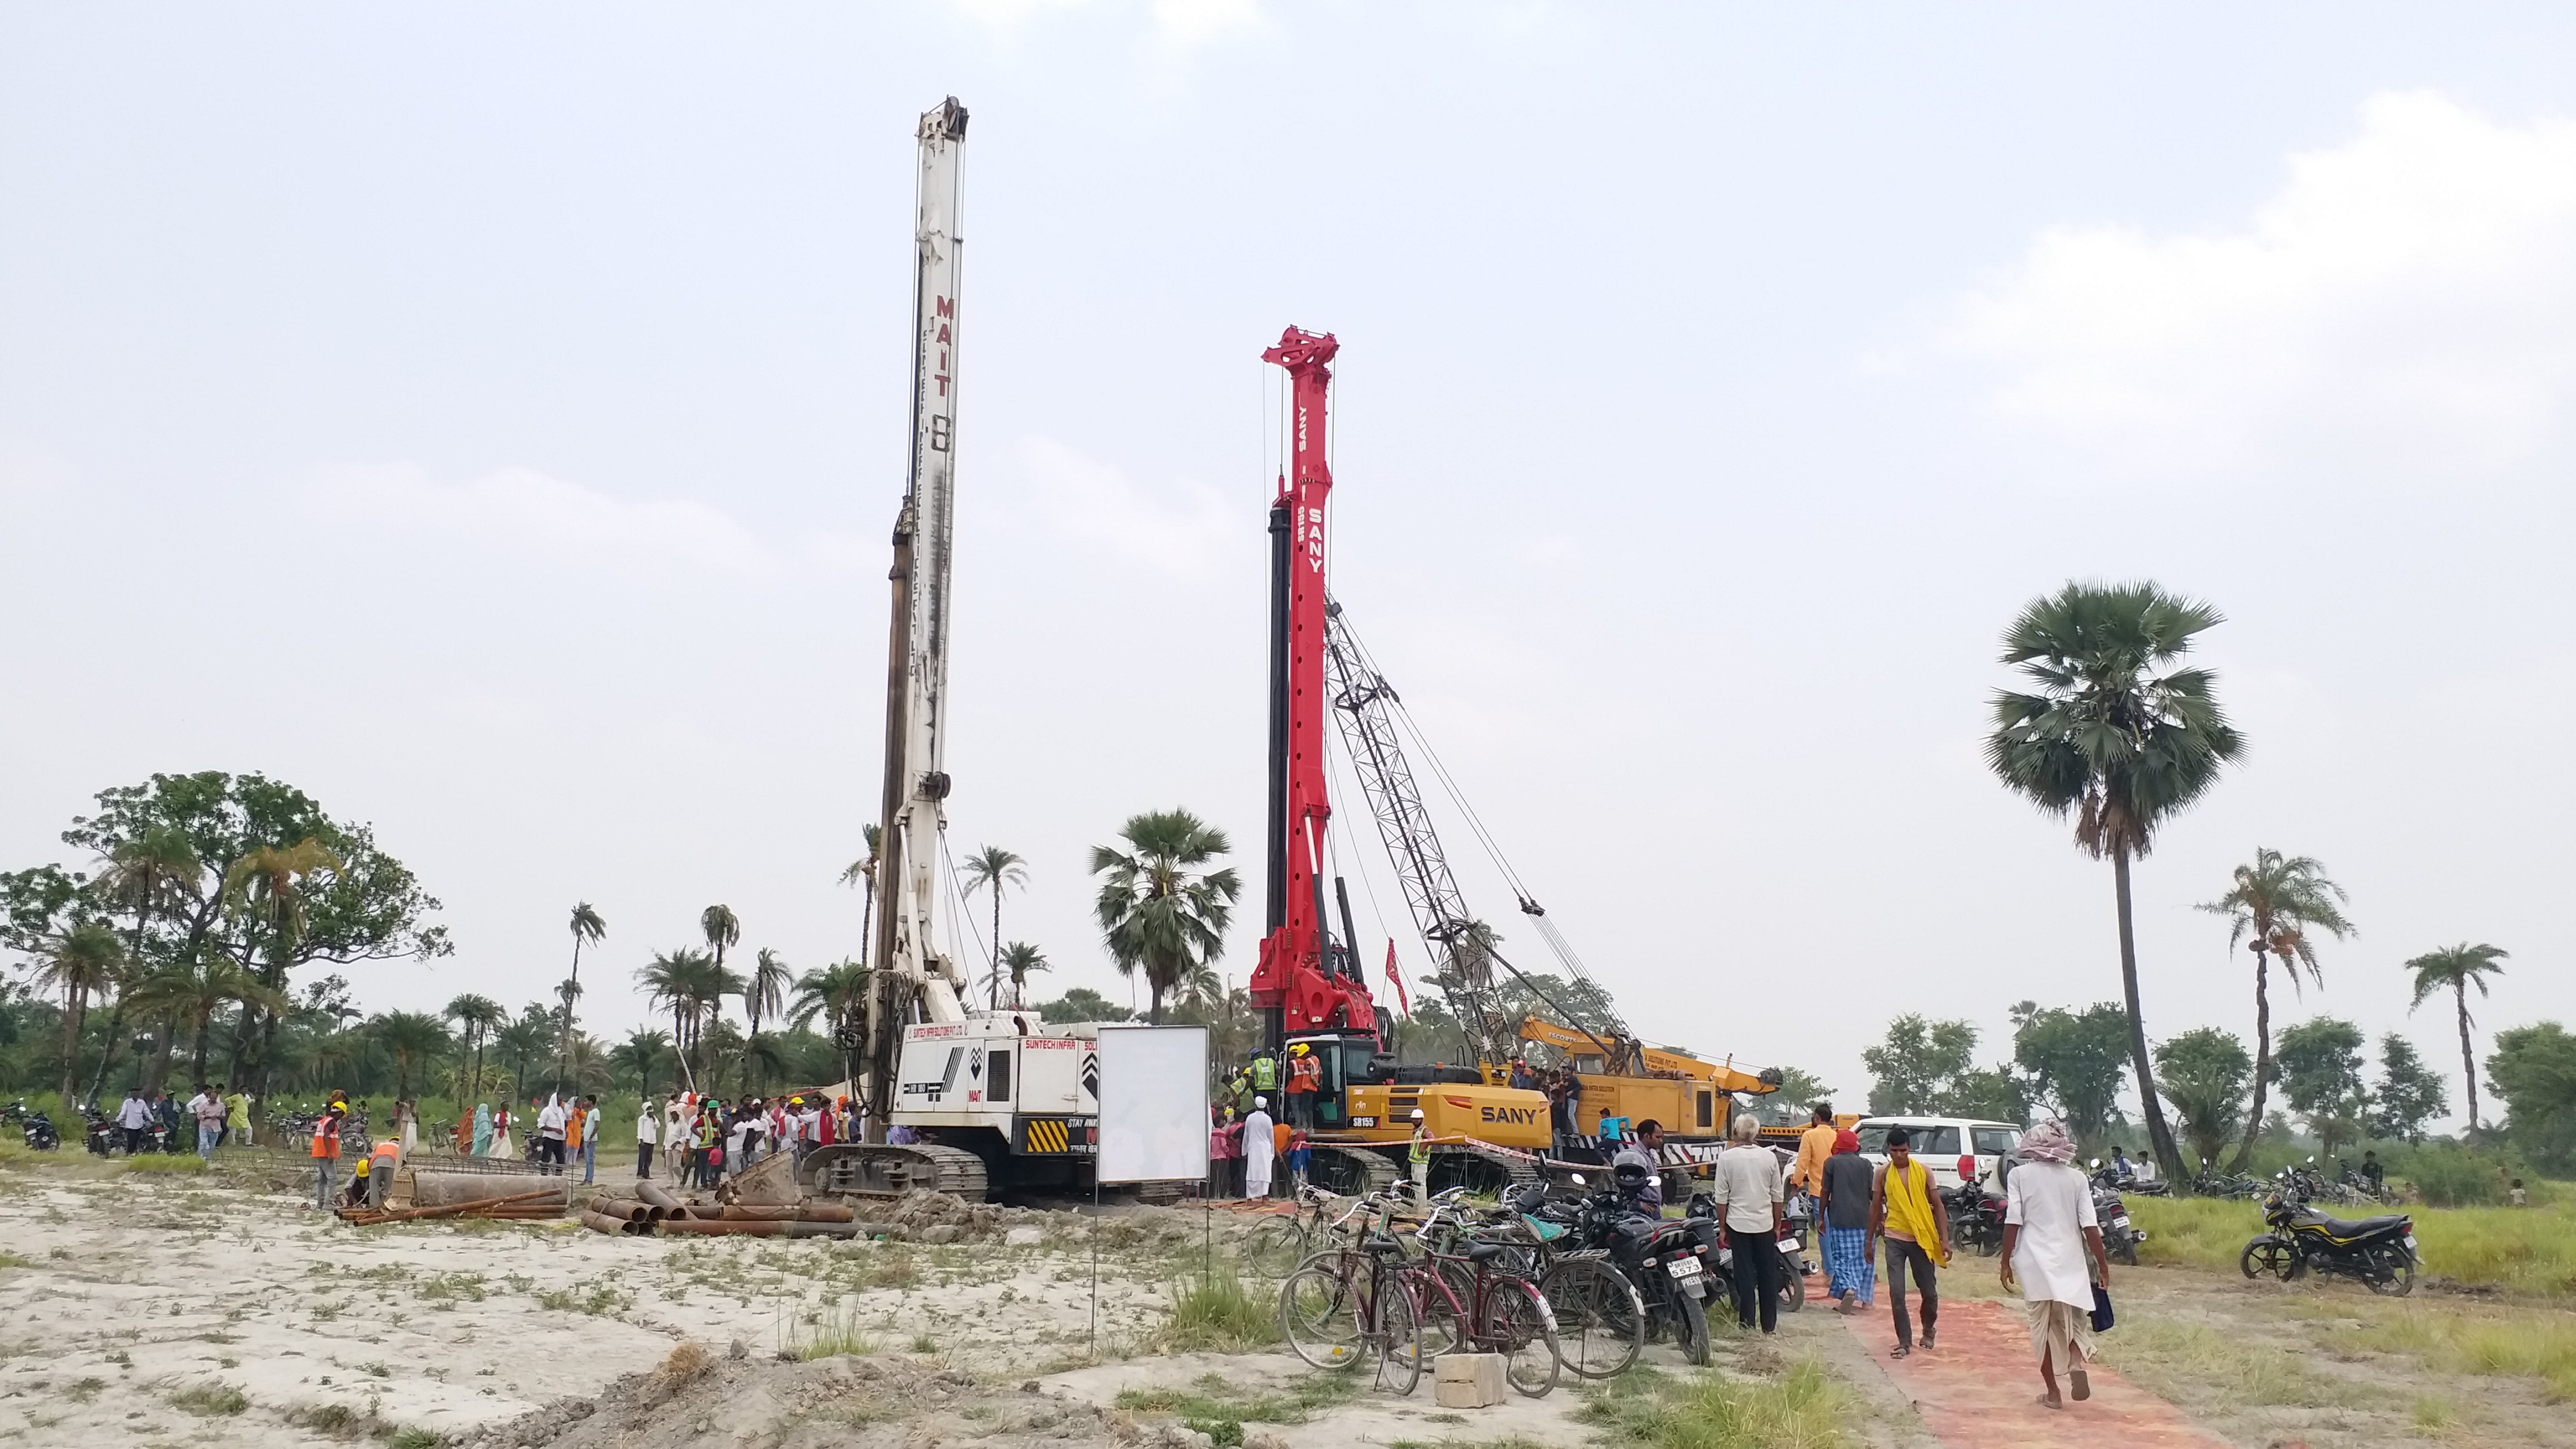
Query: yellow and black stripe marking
{"x":1047,"y":1134}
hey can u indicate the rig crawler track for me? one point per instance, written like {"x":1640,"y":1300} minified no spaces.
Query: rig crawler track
{"x":887,"y":1171}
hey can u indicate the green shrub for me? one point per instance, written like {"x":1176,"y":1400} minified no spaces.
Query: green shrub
{"x":2449,"y":1175}
{"x":1216,"y":1313}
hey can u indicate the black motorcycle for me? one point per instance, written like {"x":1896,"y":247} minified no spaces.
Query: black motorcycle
{"x":104,"y":1136}
{"x":1976,"y":1218}
{"x":2379,"y":1251}
{"x":1672,"y":1263}
{"x":40,"y":1133}
{"x":2119,"y":1237}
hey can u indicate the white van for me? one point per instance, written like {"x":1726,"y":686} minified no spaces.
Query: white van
{"x":1956,"y":1149}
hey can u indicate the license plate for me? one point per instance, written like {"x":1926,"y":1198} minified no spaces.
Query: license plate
{"x":1789,"y":1246}
{"x":1363,"y":1121}
{"x":2121,"y":1223}
{"x":1683,"y":1267}
{"x":2410,"y":1242}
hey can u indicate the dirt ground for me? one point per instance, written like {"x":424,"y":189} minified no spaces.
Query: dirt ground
{"x":159,"y":1310}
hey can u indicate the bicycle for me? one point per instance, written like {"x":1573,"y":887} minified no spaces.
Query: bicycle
{"x":1355,"y":1304}
{"x":1278,"y":1244}
{"x":1500,"y":1312}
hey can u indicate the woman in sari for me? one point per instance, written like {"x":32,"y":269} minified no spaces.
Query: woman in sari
{"x":482,"y":1129}
{"x":501,"y":1145}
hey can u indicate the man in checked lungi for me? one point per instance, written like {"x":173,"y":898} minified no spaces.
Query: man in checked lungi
{"x":1851,"y":1279}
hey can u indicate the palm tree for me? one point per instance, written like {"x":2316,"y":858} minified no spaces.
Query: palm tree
{"x":2456,"y":967}
{"x":1154,"y":912}
{"x":994,"y":869}
{"x":2278,"y":902}
{"x":642,"y":1050}
{"x":190,"y":996}
{"x":269,"y":883}
{"x":412,"y":1037}
{"x":833,"y":993}
{"x":84,"y":961}
{"x":863,"y":873}
{"x":2112,"y":740}
{"x":587,"y":925}
{"x":1019,"y":961}
{"x":527,"y":1039}
{"x":723,"y":930}
{"x":478,"y":1015}
{"x":152,"y":870}
{"x":764,"y":993}
{"x":693,"y":987}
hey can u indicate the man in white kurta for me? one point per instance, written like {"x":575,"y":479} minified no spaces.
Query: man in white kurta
{"x":1260,"y":1145}
{"x":2049,"y":1235}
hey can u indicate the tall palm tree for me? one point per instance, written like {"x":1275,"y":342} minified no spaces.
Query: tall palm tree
{"x":1156,"y":910}
{"x":1019,"y":961}
{"x":2457,"y":967}
{"x":2276,"y":906}
{"x":527,"y":1039}
{"x":83,"y":962}
{"x":189,"y":996}
{"x":764,"y":993}
{"x":832,"y":992}
{"x":993,"y":869}
{"x":863,"y":873}
{"x":587,"y":926}
{"x":668,"y":981}
{"x":412,"y":1038}
{"x":723,"y":930}
{"x":2117,"y":736}
{"x":269,"y":883}
{"x":477,"y":1016}
{"x":146,"y":874}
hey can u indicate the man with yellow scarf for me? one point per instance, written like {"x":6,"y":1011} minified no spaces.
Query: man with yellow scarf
{"x":1904,"y":1209}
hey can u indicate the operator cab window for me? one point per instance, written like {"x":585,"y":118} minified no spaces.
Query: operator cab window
{"x":997,"y":1087}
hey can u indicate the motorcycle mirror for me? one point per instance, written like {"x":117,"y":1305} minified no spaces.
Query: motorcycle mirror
{"x":2097,"y":1162}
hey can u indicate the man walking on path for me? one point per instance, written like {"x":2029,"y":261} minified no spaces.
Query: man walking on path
{"x":1258,"y":1149}
{"x":1917,"y":1233}
{"x":591,"y":1125}
{"x":1849,"y":1182}
{"x":135,"y":1116}
{"x":550,"y":1137}
{"x":207,"y":1110}
{"x":2049,"y":1233}
{"x":1748,"y":1192}
{"x":237,"y":1118}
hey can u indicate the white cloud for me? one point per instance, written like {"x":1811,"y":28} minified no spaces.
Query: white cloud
{"x":530,"y":512}
{"x":1191,"y":536}
{"x":2409,"y":297}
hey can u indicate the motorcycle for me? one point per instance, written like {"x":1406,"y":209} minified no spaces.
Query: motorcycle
{"x":2119,"y":1238}
{"x":1976,"y":1218}
{"x":105,"y":1138}
{"x":2359,"y":1189}
{"x":40,"y":1133}
{"x":1669,"y":1262}
{"x":2380,"y":1251}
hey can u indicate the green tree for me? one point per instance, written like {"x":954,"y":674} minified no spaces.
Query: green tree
{"x":2115,"y":735}
{"x":477,"y":1017}
{"x":723,"y":930}
{"x":2320,"y":1063}
{"x":2075,"y":1060}
{"x":148,"y":874}
{"x":2457,"y":968}
{"x":1158,"y":910}
{"x":1797,"y":1095}
{"x":1930,"y":1066}
{"x":641,"y":1052}
{"x":693,"y":987}
{"x":993,"y":869}
{"x":1081,"y":1003}
{"x":764,"y":994}
{"x":2276,"y":909}
{"x":2409,"y":1094}
{"x":86,"y":960}
{"x":1020,"y":960}
{"x":530,"y":1038}
{"x":2205,"y":1076}
{"x":832,"y":993}
{"x":188,"y":995}
{"x":2533,"y":1070}
{"x":412,"y":1038}
{"x":587,"y":927}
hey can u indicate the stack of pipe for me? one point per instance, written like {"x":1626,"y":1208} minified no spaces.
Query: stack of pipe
{"x":543,"y":1203}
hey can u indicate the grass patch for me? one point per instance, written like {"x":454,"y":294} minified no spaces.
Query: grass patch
{"x":167,"y":1164}
{"x":2188,"y":1362}
{"x":12,"y":1260}
{"x":415,"y":1437}
{"x":1217,"y":1314}
{"x":840,"y":1334}
{"x":1801,"y":1409}
{"x":1213,"y":1405}
{"x":206,"y":1401}
{"x":2489,"y":1344}
{"x":2521,"y":1250}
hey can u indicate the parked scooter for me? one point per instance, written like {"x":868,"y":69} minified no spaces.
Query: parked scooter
{"x":2380,"y":1251}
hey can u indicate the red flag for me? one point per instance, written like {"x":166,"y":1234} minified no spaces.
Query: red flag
{"x":1396,"y":981}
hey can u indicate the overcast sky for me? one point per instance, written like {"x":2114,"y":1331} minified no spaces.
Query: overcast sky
{"x":489,"y":419}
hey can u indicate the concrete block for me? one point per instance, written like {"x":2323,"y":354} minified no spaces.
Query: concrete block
{"x":1467,"y":1380}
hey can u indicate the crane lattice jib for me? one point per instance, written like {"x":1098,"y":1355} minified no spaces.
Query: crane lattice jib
{"x":1359,"y":696}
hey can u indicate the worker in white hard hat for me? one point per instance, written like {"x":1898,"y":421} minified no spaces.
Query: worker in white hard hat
{"x":1260,"y":1148}
{"x":1420,"y":1156}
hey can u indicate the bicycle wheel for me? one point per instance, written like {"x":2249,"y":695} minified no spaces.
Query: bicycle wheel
{"x":1275,"y":1248}
{"x":1517,"y":1325}
{"x":1320,"y":1314}
{"x":1600,"y":1319}
{"x":1443,"y":1290}
{"x":1396,"y":1333}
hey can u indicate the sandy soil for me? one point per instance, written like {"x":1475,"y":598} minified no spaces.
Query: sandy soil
{"x":149,"y":1310}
